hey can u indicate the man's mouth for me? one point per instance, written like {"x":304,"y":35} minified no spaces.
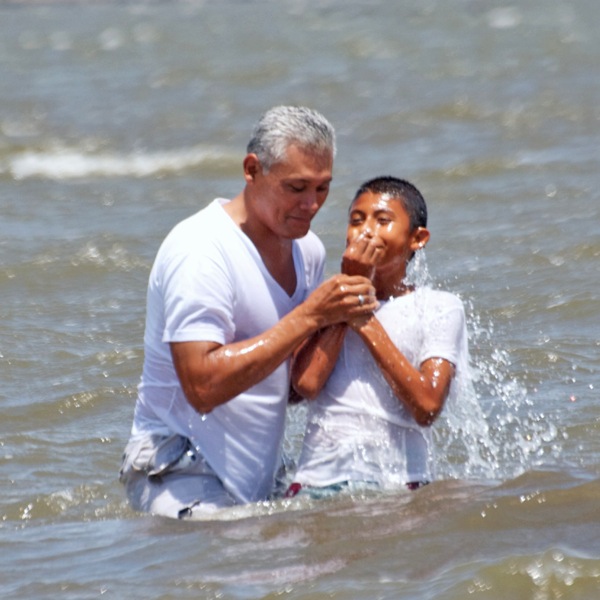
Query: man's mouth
{"x":301,"y":219}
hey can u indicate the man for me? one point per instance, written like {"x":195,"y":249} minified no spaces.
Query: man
{"x":233,"y":292}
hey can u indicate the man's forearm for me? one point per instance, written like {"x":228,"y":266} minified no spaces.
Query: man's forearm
{"x":212,"y":374}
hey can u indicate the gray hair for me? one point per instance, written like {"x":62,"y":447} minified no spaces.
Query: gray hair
{"x":282,"y":126}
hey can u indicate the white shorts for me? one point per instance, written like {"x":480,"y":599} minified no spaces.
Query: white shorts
{"x":166,"y":476}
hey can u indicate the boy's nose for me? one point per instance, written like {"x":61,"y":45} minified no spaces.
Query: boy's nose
{"x":367,"y":231}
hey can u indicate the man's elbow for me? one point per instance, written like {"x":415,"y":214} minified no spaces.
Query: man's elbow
{"x":200,"y":398}
{"x":197,"y":376}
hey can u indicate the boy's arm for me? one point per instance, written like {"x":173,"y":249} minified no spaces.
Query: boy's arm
{"x":423,"y":391}
{"x":315,"y":360}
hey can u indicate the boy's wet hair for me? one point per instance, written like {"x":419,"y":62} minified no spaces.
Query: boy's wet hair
{"x":411,"y":198}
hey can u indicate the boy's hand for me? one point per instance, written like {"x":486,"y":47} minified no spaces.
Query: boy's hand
{"x":362,"y":255}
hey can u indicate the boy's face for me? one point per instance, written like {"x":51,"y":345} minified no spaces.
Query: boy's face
{"x":383,"y":219}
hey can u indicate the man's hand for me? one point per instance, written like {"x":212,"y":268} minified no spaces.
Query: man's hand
{"x":339,"y":299}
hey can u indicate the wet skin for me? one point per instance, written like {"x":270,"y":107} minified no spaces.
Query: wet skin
{"x":274,"y":208}
{"x":380,"y":242}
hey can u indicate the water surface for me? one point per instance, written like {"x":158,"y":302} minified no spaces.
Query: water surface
{"x":119,"y":119}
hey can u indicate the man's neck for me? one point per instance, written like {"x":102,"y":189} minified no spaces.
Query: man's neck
{"x":275,"y":251}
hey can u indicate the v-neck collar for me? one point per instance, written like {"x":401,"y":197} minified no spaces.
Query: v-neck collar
{"x":249,"y":244}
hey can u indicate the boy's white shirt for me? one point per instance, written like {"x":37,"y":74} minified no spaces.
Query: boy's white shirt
{"x":357,"y":429}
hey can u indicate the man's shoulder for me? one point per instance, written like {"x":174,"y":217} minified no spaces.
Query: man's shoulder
{"x":200,"y":234}
{"x":197,"y":229}
{"x":203,"y":219}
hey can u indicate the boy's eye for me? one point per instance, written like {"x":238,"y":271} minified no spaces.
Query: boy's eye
{"x":296,"y":188}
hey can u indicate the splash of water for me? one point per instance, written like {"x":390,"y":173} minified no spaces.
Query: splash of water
{"x":417,"y":272}
{"x":491,"y":431}
{"x":504,"y":426}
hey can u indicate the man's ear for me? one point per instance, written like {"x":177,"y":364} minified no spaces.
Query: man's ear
{"x":251,"y":167}
{"x":419,"y":239}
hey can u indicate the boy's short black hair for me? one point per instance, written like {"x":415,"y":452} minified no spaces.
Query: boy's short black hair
{"x":403,"y":190}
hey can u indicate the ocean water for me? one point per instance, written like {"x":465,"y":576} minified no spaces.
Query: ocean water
{"x":118,"y":119}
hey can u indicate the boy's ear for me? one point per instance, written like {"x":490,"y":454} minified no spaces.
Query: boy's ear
{"x":420,"y":238}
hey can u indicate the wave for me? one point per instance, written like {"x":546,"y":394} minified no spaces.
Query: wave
{"x":64,"y":164}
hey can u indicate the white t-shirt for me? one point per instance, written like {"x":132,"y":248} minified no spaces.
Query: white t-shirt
{"x":357,"y":429}
{"x":209,"y":283}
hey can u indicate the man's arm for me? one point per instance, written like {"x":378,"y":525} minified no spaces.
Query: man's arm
{"x":211,"y":373}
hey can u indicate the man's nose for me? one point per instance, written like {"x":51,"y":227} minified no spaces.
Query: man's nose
{"x":310,"y":201}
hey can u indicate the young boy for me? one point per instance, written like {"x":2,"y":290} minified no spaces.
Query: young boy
{"x":380,"y":380}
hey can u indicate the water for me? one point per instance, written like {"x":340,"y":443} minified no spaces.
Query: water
{"x":119,"y":119}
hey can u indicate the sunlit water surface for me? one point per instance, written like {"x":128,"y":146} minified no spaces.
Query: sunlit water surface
{"x":119,"y":119}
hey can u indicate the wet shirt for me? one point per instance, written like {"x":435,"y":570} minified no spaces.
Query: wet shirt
{"x":209,"y":283}
{"x":357,"y":429}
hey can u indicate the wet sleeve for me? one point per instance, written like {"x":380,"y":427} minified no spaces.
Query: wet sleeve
{"x":444,"y":330}
{"x":198,"y":300}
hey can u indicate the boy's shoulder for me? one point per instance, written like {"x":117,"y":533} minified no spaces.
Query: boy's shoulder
{"x":437,"y":297}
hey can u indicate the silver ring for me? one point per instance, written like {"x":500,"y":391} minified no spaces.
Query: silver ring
{"x":361,"y":299}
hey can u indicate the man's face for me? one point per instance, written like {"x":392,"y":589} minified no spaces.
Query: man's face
{"x":292,"y":192}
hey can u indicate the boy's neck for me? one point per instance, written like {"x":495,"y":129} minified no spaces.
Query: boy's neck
{"x":388,"y":290}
